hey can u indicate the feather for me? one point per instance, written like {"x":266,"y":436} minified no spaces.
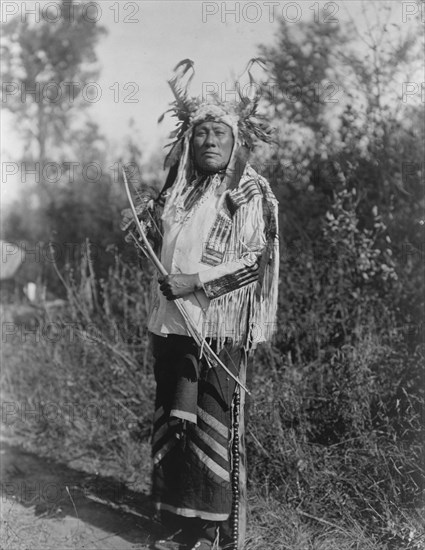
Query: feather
{"x":174,"y":153}
{"x":183,"y":102}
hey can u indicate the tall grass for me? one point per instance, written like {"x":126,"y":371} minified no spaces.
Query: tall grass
{"x":334,"y":444}
{"x":86,"y":374}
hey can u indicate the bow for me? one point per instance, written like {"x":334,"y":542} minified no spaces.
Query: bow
{"x":209,"y":354}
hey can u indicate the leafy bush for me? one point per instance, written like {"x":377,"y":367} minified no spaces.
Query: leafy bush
{"x":337,"y":288}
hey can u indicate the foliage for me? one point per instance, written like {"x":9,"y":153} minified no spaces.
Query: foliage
{"x":42,"y":57}
{"x":90,"y":384}
{"x":342,"y":125}
{"x":78,"y":198}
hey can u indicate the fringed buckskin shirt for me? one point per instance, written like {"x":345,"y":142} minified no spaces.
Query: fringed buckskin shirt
{"x":230,"y":239}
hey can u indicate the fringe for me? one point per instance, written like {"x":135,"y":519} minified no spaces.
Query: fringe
{"x":216,"y":543}
{"x":241,"y":314}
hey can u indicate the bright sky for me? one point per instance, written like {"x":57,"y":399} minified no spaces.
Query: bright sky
{"x":146,"y":52}
{"x":147,"y":38}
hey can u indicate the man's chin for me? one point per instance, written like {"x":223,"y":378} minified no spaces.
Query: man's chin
{"x":211,"y":167}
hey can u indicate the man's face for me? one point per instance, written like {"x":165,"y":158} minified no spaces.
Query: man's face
{"x":212,"y":145}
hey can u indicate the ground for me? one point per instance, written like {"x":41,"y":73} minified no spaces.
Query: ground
{"x":47,"y":505}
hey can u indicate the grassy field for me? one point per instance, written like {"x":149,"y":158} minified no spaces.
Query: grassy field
{"x":334,"y":442}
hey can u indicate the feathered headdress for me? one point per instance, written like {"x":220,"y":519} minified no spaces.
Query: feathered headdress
{"x":241,"y":115}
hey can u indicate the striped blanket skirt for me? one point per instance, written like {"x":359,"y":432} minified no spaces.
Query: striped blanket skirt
{"x":192,"y":433}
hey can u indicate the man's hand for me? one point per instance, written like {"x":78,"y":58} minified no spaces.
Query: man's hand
{"x":178,"y":285}
{"x":127,"y":221}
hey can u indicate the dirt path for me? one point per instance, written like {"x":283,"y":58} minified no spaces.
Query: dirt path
{"x":47,"y":505}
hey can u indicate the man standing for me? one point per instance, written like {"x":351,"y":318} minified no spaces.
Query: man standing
{"x":215,"y":226}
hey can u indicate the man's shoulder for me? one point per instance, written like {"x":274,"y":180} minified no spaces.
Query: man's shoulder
{"x":252,"y":188}
{"x":252,"y":184}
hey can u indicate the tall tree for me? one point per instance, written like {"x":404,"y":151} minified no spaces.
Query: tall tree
{"x":48,"y":67}
{"x":334,"y":98}
{"x":50,"y":73}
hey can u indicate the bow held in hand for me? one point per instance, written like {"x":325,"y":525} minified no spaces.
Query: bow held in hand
{"x":180,"y":284}
{"x":144,"y":207}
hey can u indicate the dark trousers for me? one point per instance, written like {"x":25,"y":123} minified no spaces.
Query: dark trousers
{"x":192,"y":460}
